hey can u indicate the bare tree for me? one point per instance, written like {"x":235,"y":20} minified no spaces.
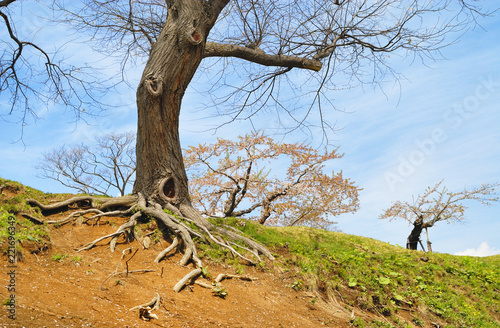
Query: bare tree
{"x":435,"y":205}
{"x":110,"y":163}
{"x":285,"y":182}
{"x":31,"y":78}
{"x":273,"y":45}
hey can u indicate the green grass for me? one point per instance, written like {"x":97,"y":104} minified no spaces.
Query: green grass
{"x":25,"y":230}
{"x":59,"y":257}
{"x":377,"y":277}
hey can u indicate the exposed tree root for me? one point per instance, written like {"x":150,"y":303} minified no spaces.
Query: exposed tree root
{"x":216,"y":286}
{"x":121,"y":230}
{"x":74,"y":215}
{"x":146,"y":308}
{"x":87,"y":201}
{"x":204,"y":285}
{"x":190,"y":276}
{"x":223,"y":276}
{"x":183,"y":221}
{"x":127,"y":271}
{"x":153,"y":304}
{"x":32,"y":218}
{"x":163,"y":253}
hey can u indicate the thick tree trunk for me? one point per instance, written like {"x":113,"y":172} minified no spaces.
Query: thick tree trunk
{"x":161,"y":180}
{"x":173,"y":61}
{"x":414,"y":237}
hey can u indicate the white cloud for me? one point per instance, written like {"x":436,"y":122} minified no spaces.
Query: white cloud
{"x":482,"y":250}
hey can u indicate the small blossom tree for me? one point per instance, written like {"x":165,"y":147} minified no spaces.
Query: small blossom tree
{"x":438,"y":204}
{"x":284,"y":182}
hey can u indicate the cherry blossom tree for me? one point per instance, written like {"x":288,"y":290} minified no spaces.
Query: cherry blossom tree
{"x":285,"y":182}
{"x":438,"y":204}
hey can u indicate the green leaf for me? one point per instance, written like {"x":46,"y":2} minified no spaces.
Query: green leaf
{"x":384,"y":281}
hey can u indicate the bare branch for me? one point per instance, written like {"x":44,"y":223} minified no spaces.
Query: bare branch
{"x":5,"y":3}
{"x":27,"y":86}
{"x":258,"y":56}
{"x":348,"y":42}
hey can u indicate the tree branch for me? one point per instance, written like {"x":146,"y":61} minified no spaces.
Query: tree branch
{"x":5,"y":3}
{"x":217,"y":6}
{"x":233,"y":201}
{"x":258,"y":56}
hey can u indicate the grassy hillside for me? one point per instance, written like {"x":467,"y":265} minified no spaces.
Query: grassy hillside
{"x":431,"y":290}
{"x":379,"y":284}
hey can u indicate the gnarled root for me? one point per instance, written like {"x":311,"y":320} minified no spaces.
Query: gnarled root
{"x":190,"y":276}
{"x":146,"y":308}
{"x":223,"y":276}
{"x":74,"y":215}
{"x":163,"y":253}
{"x":121,"y":230}
{"x":99,"y":203}
{"x":175,"y":223}
{"x":217,"y":282}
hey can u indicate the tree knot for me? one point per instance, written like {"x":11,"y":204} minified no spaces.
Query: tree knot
{"x":167,"y":189}
{"x":194,"y":36}
{"x":154,"y":85}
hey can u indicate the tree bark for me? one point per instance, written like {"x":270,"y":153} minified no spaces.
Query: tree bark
{"x":173,"y":61}
{"x":260,"y":57}
{"x":414,"y":237}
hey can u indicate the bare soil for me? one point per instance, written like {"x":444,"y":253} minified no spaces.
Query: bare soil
{"x":71,"y":292}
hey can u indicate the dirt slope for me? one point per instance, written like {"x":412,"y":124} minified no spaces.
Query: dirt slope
{"x":68,"y":293}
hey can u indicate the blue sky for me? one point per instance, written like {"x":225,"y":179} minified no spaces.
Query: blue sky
{"x":439,"y":122}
